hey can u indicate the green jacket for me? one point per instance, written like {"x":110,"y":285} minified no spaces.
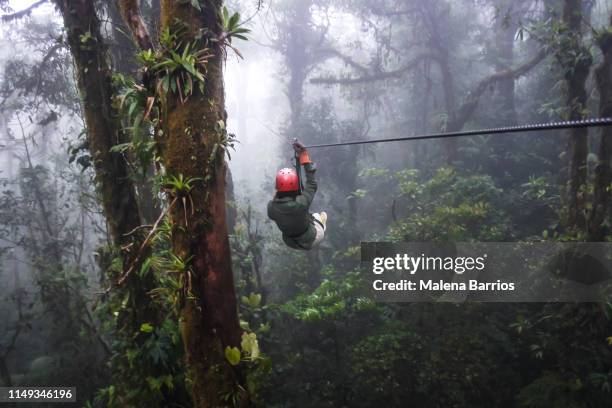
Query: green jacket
{"x":292,"y":216}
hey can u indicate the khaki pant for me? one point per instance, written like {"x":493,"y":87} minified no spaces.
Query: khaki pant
{"x":320,"y":227}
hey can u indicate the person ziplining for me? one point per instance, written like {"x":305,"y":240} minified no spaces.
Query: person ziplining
{"x":290,"y":207}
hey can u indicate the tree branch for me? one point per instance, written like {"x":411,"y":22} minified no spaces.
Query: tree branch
{"x":470,"y":103}
{"x":332,"y":52}
{"x":376,"y":76}
{"x":22,"y":13}
{"x":130,"y":11}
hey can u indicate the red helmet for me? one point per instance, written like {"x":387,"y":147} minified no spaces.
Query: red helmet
{"x":287,"y":180}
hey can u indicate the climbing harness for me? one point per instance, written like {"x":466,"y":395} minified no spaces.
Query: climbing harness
{"x":583,"y":123}
{"x":298,"y":169}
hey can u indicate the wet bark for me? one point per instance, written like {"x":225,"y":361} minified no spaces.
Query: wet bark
{"x":603,"y":172}
{"x":232,"y":209}
{"x":190,"y":147}
{"x":130,"y":11}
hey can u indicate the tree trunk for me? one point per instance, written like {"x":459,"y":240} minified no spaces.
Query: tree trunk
{"x":442,"y":58}
{"x":125,"y":20}
{"x":191,"y":146}
{"x":116,"y":190}
{"x":505,"y":29}
{"x":576,"y":61}
{"x":297,"y":57}
{"x":94,"y":82}
{"x":232,"y":205}
{"x":603,"y":171}
{"x":450,"y":106}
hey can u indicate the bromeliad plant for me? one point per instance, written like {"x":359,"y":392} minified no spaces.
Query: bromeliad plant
{"x":178,"y":65}
{"x":179,"y":188}
{"x":175,"y":279}
{"x":232,"y":28}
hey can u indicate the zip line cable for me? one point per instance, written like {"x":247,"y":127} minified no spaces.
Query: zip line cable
{"x":583,"y":123}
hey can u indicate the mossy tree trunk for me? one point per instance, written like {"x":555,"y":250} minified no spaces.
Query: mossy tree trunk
{"x":92,"y":64}
{"x":192,"y":146}
{"x":95,"y":89}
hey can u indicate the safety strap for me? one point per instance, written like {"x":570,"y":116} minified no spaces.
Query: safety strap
{"x":298,"y":170}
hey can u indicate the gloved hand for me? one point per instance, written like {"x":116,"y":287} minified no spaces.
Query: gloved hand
{"x":297,"y":146}
{"x":302,"y":153}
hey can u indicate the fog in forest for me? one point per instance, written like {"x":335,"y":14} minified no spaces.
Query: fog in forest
{"x":116,"y":277}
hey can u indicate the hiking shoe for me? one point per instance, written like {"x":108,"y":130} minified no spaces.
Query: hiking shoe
{"x":323,"y":216}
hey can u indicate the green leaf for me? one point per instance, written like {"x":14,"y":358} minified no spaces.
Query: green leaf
{"x":145,"y":267}
{"x":254,"y":300}
{"x":120,"y":148}
{"x":233,"y":20}
{"x":154,"y":383}
{"x":250,"y":345}
{"x":189,"y":68}
{"x":146,"y":328}
{"x":233,"y":355}
{"x":241,"y":30}
{"x":244,"y":325}
{"x":225,"y":15}
{"x":187,"y":88}
{"x":186,"y":51}
{"x":163,"y":64}
{"x":165,"y":83}
{"x":168,"y":381}
{"x":132,"y":108}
